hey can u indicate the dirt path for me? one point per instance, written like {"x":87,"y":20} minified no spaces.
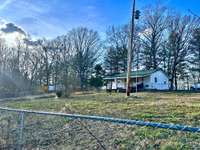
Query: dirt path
{"x":29,"y":97}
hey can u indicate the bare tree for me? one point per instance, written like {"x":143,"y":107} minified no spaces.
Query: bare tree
{"x":66,"y":56}
{"x":4,"y":53}
{"x":44,"y":46}
{"x":154,"y":25}
{"x":195,"y":50}
{"x":85,"y":45}
{"x":35,"y":63}
{"x":117,"y":47}
{"x":180,"y":31}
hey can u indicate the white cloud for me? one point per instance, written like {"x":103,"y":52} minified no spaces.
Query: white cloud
{"x":52,"y":18}
{"x":147,"y":31}
{"x":11,"y":38}
{"x":5,"y":4}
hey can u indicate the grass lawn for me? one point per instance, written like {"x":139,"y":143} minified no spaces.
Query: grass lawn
{"x":166,"y":107}
{"x":163,"y":107}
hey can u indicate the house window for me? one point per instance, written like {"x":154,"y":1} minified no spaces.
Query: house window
{"x":165,"y":82}
{"x":155,"y":79}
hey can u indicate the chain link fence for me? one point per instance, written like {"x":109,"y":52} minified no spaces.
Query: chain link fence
{"x":48,"y":131}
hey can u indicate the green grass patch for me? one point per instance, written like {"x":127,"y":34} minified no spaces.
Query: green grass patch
{"x":166,"y":107}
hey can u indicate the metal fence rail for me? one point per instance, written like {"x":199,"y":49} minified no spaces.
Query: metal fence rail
{"x":27,"y":129}
{"x":111,"y":120}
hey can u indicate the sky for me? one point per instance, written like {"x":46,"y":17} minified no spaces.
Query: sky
{"x":50,"y":18}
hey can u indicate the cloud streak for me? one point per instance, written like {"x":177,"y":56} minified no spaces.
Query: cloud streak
{"x":50,"y":18}
{"x":5,"y":4}
{"x":55,"y":17}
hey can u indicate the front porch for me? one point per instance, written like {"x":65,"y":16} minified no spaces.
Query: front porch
{"x":119,"y":84}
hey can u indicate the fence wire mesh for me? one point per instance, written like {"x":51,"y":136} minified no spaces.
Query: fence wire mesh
{"x":20,"y":130}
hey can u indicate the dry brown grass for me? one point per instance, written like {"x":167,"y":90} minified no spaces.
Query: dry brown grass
{"x":167,"y":107}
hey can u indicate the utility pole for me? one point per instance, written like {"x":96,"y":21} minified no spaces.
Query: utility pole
{"x":137,"y":67}
{"x":130,"y":51}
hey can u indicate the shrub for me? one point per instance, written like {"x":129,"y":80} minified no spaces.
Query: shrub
{"x":59,"y":93}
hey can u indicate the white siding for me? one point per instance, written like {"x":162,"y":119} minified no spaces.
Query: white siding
{"x":121,"y":84}
{"x":113,"y":84}
{"x":147,"y":83}
{"x":162,"y":82}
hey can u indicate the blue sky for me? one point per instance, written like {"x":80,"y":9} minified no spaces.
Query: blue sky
{"x":49,"y":18}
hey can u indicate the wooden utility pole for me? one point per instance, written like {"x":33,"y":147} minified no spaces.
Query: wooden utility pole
{"x":130,"y":51}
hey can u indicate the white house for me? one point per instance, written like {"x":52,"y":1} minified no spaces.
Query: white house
{"x":144,"y":79}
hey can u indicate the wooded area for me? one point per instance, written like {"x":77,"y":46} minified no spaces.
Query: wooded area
{"x":79,"y":59}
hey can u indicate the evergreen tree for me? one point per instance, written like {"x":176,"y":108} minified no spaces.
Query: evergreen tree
{"x":97,"y":79}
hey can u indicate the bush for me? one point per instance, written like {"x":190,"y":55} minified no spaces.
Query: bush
{"x":59,"y":93}
{"x":96,"y":82}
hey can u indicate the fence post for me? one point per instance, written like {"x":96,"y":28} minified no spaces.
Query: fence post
{"x":8,"y":134}
{"x":21,"y":126}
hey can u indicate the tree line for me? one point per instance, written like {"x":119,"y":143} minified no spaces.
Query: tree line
{"x":80,"y":59}
{"x":163,"y":40}
{"x":65,"y":61}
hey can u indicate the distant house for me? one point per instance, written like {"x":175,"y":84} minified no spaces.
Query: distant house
{"x":195,"y":86}
{"x":146,"y":80}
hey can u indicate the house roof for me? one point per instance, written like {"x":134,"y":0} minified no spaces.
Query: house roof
{"x":134,"y":74}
